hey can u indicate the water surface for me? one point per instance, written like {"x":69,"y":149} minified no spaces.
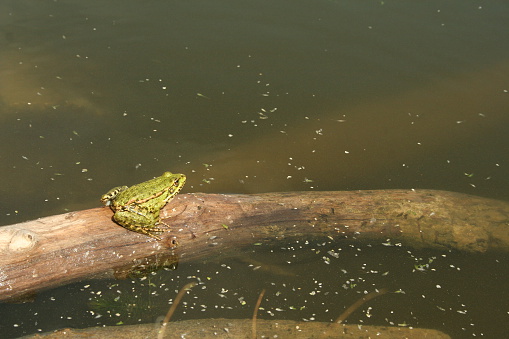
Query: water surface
{"x":260,"y":96}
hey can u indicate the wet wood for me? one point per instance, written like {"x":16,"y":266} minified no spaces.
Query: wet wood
{"x":55,"y":250}
{"x":239,"y":329}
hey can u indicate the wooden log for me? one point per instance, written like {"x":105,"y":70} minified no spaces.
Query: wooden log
{"x":240,"y":328}
{"x":59,"y":249}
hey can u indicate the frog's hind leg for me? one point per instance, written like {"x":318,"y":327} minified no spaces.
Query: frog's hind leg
{"x":139,"y":223}
{"x":131,"y":209}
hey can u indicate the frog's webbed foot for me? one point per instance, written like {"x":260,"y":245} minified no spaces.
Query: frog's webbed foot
{"x":151,"y":232}
{"x":165,"y":224}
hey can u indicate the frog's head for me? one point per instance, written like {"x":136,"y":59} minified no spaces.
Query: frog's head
{"x":109,"y":196}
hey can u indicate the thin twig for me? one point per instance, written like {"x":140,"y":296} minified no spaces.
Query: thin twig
{"x":255,"y":312}
{"x":359,"y":303}
{"x":179,"y":296}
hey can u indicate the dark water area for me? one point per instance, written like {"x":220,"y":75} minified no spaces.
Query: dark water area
{"x":262,"y":96}
{"x":461,"y":295}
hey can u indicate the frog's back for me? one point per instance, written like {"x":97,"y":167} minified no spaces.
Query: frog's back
{"x":151,"y":188}
{"x":142,"y":190}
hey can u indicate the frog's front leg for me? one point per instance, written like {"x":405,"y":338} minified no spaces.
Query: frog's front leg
{"x":139,"y":222}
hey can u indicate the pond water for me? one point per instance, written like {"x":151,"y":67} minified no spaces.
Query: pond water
{"x":261,"y":96}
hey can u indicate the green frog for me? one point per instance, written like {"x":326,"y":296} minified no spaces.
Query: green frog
{"x":137,"y":208}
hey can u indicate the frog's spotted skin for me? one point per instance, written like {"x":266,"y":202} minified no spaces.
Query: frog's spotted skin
{"x":137,"y":208}
{"x":137,"y":222}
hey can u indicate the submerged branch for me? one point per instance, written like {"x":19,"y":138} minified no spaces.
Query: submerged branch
{"x":173,"y":307}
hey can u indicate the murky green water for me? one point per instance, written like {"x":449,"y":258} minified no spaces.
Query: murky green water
{"x":271,"y":96}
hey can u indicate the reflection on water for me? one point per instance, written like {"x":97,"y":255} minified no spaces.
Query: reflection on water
{"x":252,"y":97}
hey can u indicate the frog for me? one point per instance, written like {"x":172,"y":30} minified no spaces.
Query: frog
{"x":137,"y":208}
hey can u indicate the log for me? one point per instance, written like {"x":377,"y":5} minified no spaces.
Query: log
{"x":241,"y":328}
{"x":60,"y":249}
